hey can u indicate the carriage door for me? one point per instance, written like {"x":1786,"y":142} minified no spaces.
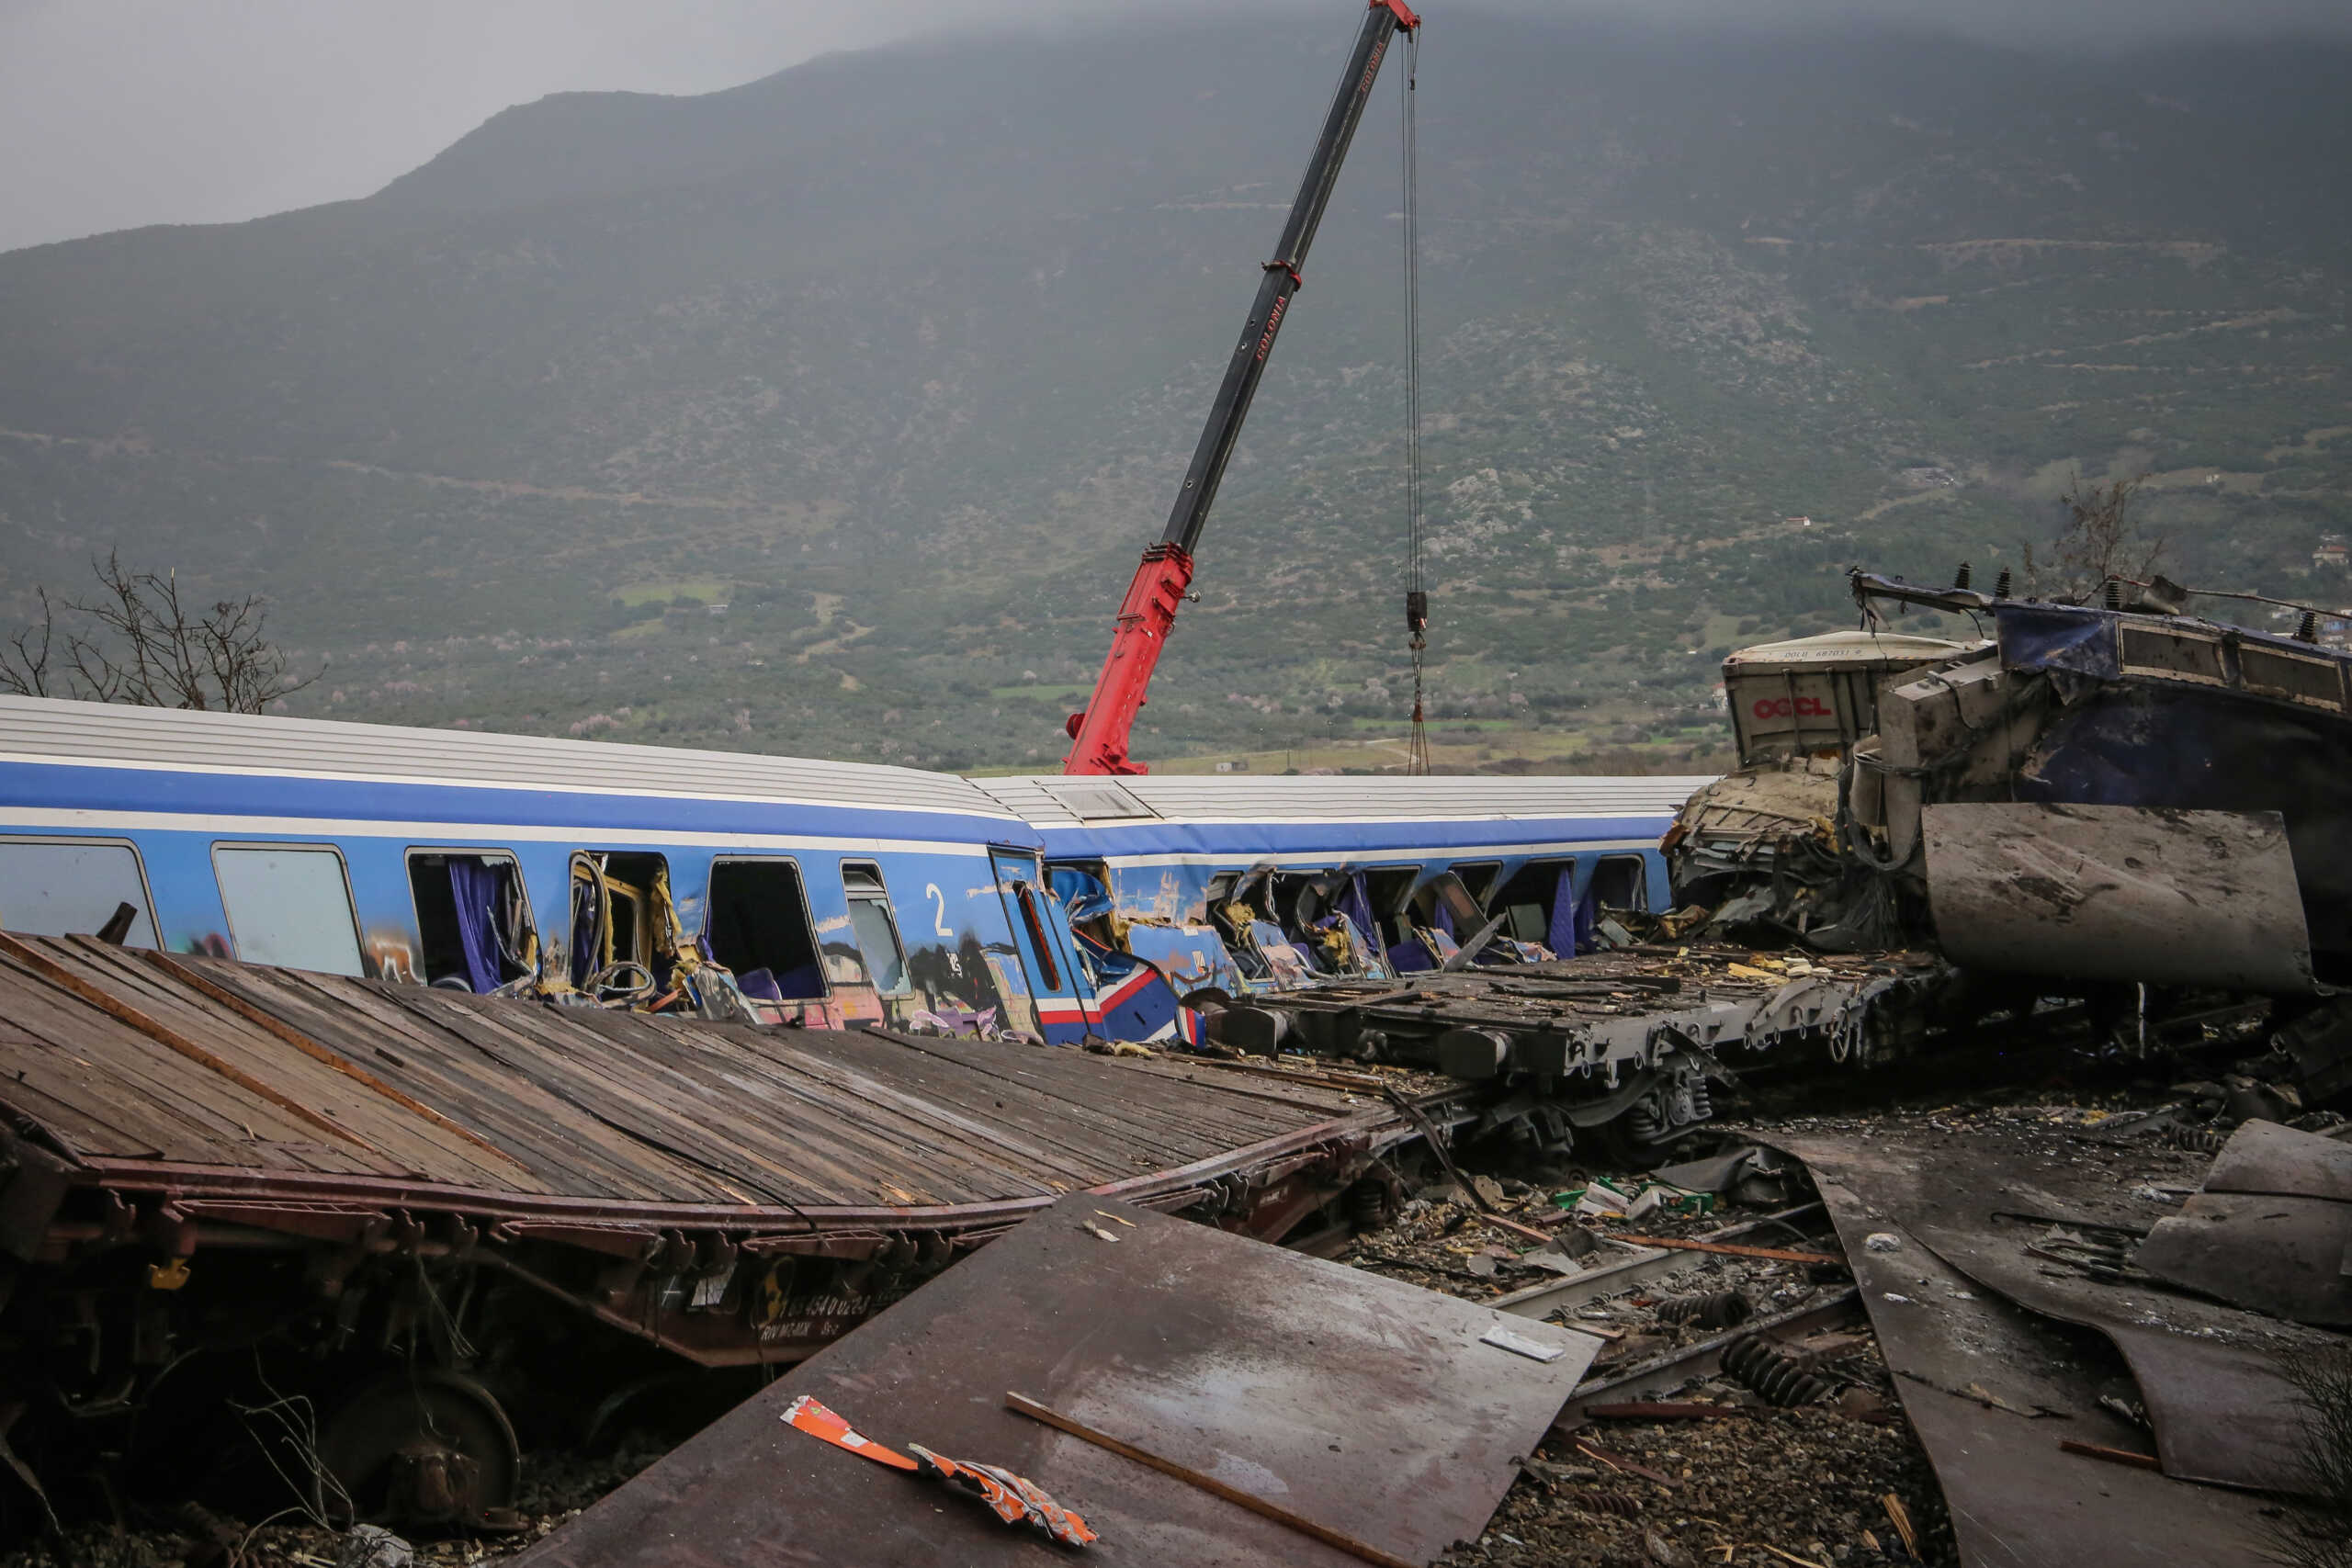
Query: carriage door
{"x":1056,"y":989}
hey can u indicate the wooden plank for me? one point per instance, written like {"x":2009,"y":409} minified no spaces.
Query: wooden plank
{"x":312,"y":1049}
{"x":177,"y":1105}
{"x":65,"y":979}
{"x":567,"y":1148}
{"x":398,"y":1142}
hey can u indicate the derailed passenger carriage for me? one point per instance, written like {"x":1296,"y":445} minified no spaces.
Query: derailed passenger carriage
{"x":389,"y":1069}
{"x":780,"y":890}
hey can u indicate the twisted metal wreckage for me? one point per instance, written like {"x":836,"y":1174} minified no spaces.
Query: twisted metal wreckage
{"x":2102,"y":815}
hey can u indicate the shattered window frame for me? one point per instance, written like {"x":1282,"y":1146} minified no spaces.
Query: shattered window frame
{"x":879,"y":898}
{"x":93,"y":841}
{"x":636,"y":891}
{"x":487,"y":853}
{"x":1550,"y":866}
{"x":1386,"y":914}
{"x":1600,"y":864}
{"x":1479,"y":878}
{"x":816,"y":945}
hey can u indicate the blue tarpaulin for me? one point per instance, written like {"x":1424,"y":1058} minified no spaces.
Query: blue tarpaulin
{"x":2056,"y":636}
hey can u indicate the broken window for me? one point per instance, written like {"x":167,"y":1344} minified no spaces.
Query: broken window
{"x":613,"y":894}
{"x":758,"y":926}
{"x":1621,"y":882}
{"x":472,"y":919}
{"x":289,"y":905}
{"x":1241,"y":906}
{"x":74,"y":886}
{"x":1538,"y":904}
{"x":874,"y":927}
{"x":1478,"y":879}
{"x":1389,"y":888}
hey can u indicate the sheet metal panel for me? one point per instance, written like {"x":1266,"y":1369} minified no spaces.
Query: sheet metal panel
{"x":1360,"y":1402}
{"x":2119,"y":893}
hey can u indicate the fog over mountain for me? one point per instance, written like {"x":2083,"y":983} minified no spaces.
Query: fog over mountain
{"x":897,"y":355}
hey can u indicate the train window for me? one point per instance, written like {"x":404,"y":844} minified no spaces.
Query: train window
{"x":874,"y":927}
{"x":758,"y":926}
{"x":1621,"y":882}
{"x":1478,"y":879}
{"x":289,"y":904}
{"x":1390,"y":889}
{"x":1539,"y":904}
{"x":473,"y":917}
{"x":623,"y":924}
{"x":74,"y":886}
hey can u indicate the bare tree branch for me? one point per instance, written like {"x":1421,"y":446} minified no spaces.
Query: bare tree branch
{"x":144,"y":645}
{"x":2102,"y":540}
{"x":24,"y":664}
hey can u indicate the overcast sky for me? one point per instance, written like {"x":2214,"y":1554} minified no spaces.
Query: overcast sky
{"x":116,"y":113}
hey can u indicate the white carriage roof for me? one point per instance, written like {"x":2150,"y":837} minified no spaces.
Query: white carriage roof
{"x":114,"y":733}
{"x":106,"y":733}
{"x":1051,"y":800}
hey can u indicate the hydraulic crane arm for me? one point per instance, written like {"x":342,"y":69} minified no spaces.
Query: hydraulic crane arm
{"x":1148,"y":611}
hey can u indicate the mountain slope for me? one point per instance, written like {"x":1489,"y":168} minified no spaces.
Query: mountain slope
{"x":900,"y":355}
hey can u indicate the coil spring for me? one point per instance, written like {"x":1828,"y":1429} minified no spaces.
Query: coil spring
{"x":1623,"y":1505}
{"x":1761,"y":1364}
{"x":1714,"y":1309}
{"x":1367,"y":1205}
{"x":1642,"y":1121}
{"x":1703,"y":1104}
{"x":2198,"y":1140}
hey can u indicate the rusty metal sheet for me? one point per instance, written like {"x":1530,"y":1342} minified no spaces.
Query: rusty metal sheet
{"x":313,"y":1086}
{"x":2263,"y":1156}
{"x":1355,"y":1401}
{"x":2119,"y":893}
{"x":2017,"y":1499}
{"x":2281,"y":1255}
{"x":2272,"y":1230}
{"x":2222,"y":1413}
{"x":2209,"y":1373}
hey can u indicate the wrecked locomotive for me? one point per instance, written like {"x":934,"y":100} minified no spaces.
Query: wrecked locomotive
{"x":2111,"y":802}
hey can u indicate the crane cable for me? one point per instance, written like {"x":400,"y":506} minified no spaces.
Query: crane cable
{"x":1417,"y":598}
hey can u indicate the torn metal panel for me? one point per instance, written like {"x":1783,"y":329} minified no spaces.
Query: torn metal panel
{"x":1629,"y":1039}
{"x":2272,"y":1231}
{"x":1224,"y":1356}
{"x":1979,"y":1209}
{"x":1992,"y":1391}
{"x":2119,"y":893}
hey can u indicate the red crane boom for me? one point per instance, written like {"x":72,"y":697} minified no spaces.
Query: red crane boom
{"x":1147,"y":613}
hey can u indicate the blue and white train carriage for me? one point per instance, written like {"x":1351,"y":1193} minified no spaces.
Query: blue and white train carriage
{"x":823,"y":893}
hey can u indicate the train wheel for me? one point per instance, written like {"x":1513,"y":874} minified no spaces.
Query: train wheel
{"x":423,"y":1447}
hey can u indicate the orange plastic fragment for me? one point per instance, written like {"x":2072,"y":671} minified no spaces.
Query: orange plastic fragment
{"x":819,"y":1422}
